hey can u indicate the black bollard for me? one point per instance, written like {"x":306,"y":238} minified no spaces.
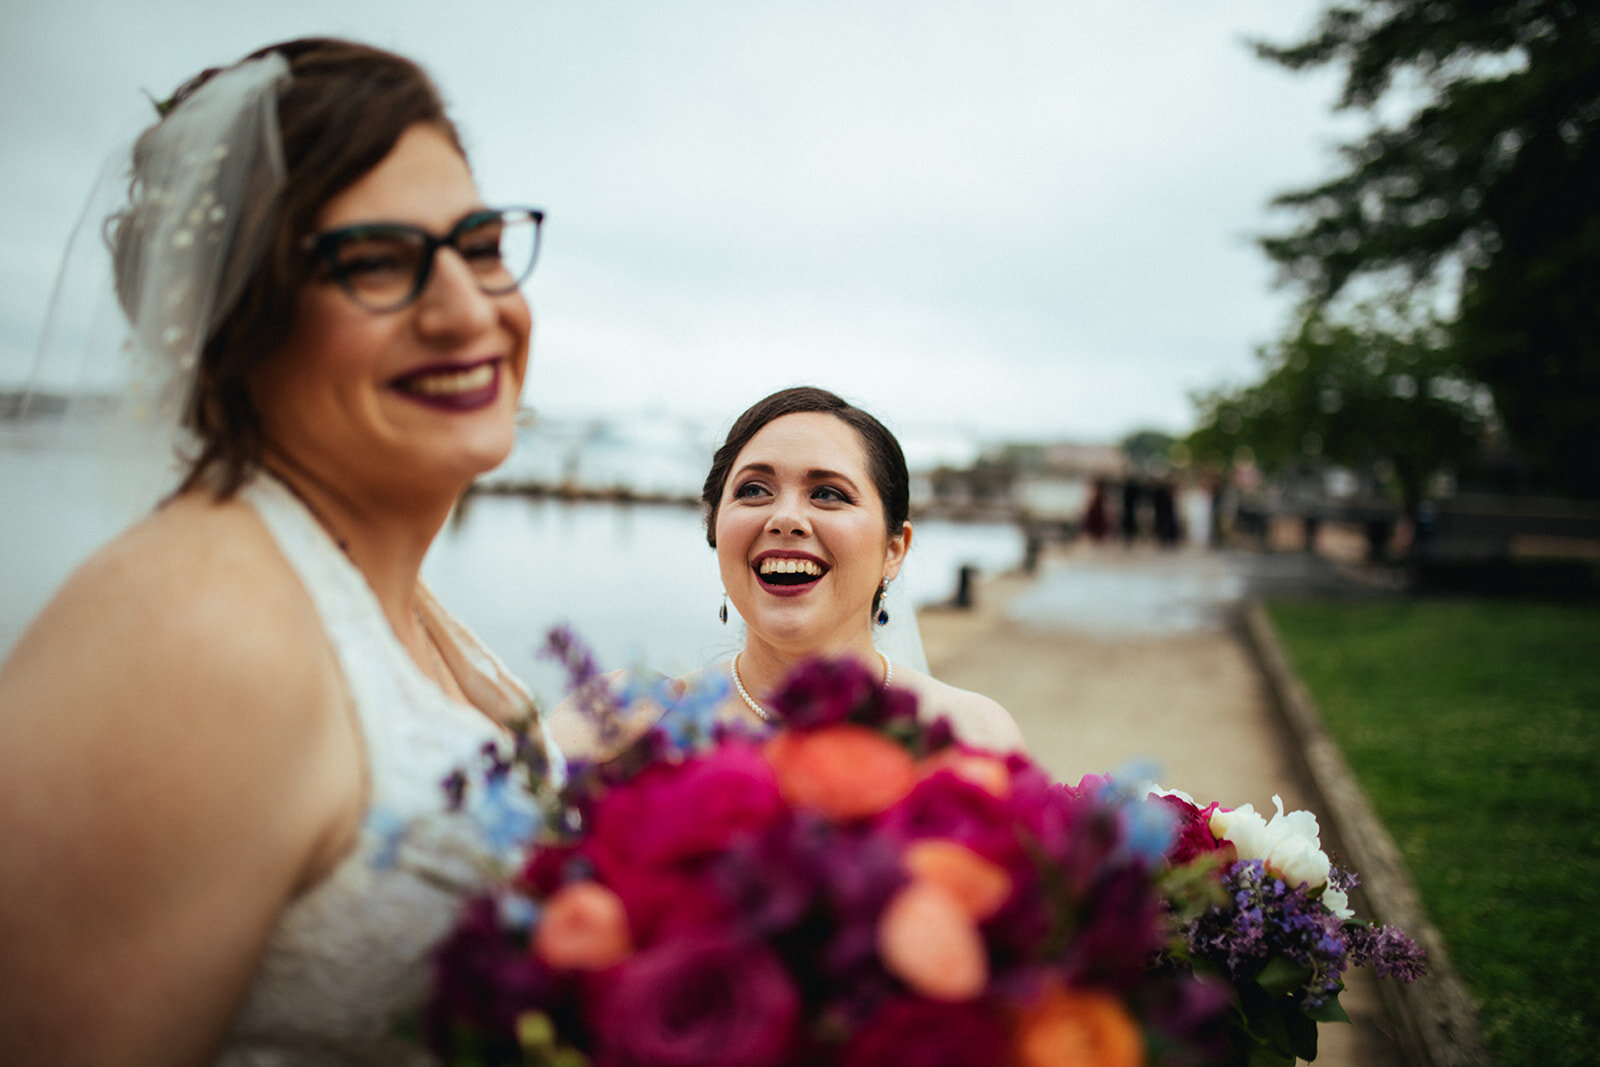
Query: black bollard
{"x":965,"y":580}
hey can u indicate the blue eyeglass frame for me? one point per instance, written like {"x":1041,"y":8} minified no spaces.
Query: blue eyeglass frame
{"x":325,"y":244}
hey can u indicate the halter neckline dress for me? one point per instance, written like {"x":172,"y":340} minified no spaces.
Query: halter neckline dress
{"x":349,"y":959}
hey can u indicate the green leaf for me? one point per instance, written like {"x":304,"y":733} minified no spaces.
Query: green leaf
{"x":1281,"y":977}
{"x":1262,"y":1056}
{"x":1331,"y":1011}
{"x":1302,"y":1031}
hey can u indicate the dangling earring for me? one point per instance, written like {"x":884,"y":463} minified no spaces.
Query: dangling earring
{"x":722,"y":612}
{"x":883,"y":594}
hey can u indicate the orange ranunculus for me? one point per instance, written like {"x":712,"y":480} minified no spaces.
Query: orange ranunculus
{"x":844,"y":771}
{"x":585,"y":927}
{"x":979,"y":885}
{"x":1078,"y":1028}
{"x":927,"y":939}
{"x":985,"y":772}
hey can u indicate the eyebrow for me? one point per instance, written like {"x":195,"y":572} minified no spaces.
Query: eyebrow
{"x":816,"y":474}
{"x":382,"y":224}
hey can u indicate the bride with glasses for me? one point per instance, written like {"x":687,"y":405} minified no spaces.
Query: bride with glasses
{"x":211,"y":735}
{"x":806,"y":504}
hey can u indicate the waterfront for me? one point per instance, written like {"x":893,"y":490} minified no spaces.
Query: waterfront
{"x":638,"y":582}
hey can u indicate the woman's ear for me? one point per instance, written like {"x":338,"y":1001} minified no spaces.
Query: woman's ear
{"x":895,"y":553}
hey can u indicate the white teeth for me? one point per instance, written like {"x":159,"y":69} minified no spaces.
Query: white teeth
{"x":451,"y":383}
{"x":791,"y":566}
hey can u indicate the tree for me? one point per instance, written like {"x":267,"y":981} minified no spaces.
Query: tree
{"x":1149,"y":450}
{"x":1480,"y":200}
{"x":1369,"y":393}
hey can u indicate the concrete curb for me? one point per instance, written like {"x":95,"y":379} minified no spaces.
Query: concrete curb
{"x":1435,"y":1020}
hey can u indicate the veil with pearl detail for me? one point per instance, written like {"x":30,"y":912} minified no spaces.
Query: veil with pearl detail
{"x":173,"y":226}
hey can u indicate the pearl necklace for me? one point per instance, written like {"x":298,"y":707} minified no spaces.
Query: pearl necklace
{"x":733,"y":668}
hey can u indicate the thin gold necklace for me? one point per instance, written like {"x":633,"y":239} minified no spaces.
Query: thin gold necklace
{"x":738,"y":683}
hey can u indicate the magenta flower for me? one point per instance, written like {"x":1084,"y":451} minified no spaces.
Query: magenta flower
{"x":700,"y":999}
{"x":947,"y":806}
{"x":679,"y":811}
{"x":1194,"y":837}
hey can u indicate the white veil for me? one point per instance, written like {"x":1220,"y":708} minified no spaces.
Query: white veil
{"x":172,"y":229}
{"x":901,"y":638}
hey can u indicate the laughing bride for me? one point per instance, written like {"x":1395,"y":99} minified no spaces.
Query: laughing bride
{"x":806,"y":504}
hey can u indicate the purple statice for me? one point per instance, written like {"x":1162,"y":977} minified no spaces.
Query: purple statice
{"x":455,"y":789}
{"x":1390,"y":952}
{"x":568,"y":649}
{"x":1269,"y":919}
{"x":590,"y":690}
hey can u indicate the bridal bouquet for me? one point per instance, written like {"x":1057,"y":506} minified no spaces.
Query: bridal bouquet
{"x":858,"y":888}
{"x":1258,"y":904}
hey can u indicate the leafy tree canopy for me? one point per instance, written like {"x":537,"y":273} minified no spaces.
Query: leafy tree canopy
{"x":1484,"y":189}
{"x":1368,"y":392}
{"x":1150,"y":451}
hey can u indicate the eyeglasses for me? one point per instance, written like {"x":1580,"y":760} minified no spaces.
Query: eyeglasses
{"x":384,"y":266}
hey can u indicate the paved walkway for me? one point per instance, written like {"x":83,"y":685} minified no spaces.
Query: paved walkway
{"x":1110,"y":654}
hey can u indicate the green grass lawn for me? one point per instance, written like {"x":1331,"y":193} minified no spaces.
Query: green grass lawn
{"x":1474,"y":728}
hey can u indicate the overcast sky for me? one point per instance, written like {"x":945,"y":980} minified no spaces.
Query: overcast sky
{"x":1010,"y":218}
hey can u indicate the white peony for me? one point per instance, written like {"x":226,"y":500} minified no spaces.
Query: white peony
{"x":1246,"y":830}
{"x":1338,"y":902}
{"x":1298,"y":861}
{"x":1152,"y":789}
{"x":1289,"y":845}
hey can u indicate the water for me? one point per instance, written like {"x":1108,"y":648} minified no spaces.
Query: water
{"x":638,"y":582}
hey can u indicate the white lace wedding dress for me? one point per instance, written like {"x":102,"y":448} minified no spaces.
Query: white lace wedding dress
{"x":350,"y":958}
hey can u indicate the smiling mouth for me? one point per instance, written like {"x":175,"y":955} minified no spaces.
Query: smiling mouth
{"x":453,"y":388}
{"x":789,"y":572}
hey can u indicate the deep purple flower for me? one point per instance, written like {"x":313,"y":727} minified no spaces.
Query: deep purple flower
{"x":773,"y":879}
{"x":925,"y":1033}
{"x":1119,"y":934}
{"x":864,"y":870}
{"x":821,"y":692}
{"x":1192,"y":1012}
{"x":699,"y":999}
{"x":483,"y":979}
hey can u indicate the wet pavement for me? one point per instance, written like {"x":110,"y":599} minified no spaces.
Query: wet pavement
{"x":1112,"y":591}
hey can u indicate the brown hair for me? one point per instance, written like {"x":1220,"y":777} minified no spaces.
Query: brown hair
{"x":886,"y":463}
{"x":340,"y":113}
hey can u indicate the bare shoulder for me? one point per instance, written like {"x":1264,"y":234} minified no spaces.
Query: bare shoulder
{"x":173,"y":768}
{"x":977,"y":719}
{"x":196,"y":595}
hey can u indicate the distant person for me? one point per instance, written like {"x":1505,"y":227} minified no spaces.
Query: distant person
{"x":1096,"y":524}
{"x":806,"y":505}
{"x":203,"y":735}
{"x":1164,"y":508}
{"x":1129,"y":519}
